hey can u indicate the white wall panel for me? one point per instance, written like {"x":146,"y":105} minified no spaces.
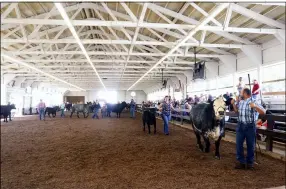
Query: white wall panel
{"x":274,"y":54}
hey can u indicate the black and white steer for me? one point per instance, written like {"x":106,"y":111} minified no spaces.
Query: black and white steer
{"x":208,"y":121}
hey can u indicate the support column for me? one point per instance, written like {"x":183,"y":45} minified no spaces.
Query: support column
{"x":235,"y":82}
{"x":3,"y":94}
{"x":260,"y":72}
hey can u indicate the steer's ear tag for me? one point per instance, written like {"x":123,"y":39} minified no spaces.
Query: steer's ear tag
{"x":223,"y":99}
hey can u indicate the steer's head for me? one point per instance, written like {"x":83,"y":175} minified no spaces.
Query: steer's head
{"x":219,"y":106}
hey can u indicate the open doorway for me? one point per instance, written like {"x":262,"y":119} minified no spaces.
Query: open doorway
{"x":75,"y":99}
{"x":107,"y":96}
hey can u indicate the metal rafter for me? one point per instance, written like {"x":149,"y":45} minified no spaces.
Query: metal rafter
{"x":118,"y":42}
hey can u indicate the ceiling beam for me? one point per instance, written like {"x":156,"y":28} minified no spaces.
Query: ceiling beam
{"x":38,"y":70}
{"x":189,"y":20}
{"x":71,"y":27}
{"x":227,"y":16}
{"x":101,"y":61}
{"x":256,"y":16}
{"x":202,"y":11}
{"x":117,"y":42}
{"x":130,"y":13}
{"x":141,"y":18}
{"x":186,"y":38}
{"x":108,"y":53}
{"x":93,"y":22}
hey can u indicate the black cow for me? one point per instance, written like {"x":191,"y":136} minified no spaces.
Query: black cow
{"x":52,"y":110}
{"x":68,"y":106}
{"x":149,"y":118}
{"x":117,"y":108}
{"x":208,"y":120}
{"x":6,"y":111}
{"x":84,"y":108}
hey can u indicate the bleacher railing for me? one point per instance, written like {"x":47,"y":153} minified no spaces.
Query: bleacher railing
{"x":271,"y":133}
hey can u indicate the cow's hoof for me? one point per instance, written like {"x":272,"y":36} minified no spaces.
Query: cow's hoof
{"x":200,"y":147}
{"x":206,"y":150}
{"x":217,"y":157}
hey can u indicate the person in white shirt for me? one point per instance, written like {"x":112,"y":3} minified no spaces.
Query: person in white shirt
{"x":240,"y":85}
{"x":63,"y":105}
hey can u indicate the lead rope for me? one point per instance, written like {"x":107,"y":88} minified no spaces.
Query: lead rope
{"x":253,"y":120}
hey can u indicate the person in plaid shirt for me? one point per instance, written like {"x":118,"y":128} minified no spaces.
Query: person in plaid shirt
{"x":246,"y":128}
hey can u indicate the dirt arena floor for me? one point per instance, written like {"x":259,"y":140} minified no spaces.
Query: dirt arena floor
{"x":116,"y":153}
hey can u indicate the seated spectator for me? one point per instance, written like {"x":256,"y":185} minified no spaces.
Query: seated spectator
{"x":197,"y":99}
{"x":210,"y":98}
{"x":226,"y":96}
{"x":190,"y":100}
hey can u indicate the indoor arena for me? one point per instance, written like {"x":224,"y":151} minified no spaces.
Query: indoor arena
{"x":142,"y":95}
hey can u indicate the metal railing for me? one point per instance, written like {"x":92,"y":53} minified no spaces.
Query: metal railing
{"x":271,"y":133}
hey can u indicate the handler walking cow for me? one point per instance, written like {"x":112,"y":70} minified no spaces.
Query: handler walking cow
{"x":96,"y":108}
{"x":132,"y":108}
{"x":246,"y":129}
{"x":41,"y":108}
{"x":207,"y":120}
{"x":165,"y":108}
{"x":63,"y":109}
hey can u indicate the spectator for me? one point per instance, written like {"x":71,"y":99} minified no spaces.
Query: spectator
{"x":226,"y":96}
{"x":132,"y":108}
{"x":197,"y":99}
{"x":240,"y":86}
{"x":191,"y":100}
{"x":210,"y":98}
{"x":246,"y":129}
{"x":96,"y":109}
{"x":63,"y":109}
{"x":202,"y":98}
{"x":255,"y":89}
{"x":41,"y":108}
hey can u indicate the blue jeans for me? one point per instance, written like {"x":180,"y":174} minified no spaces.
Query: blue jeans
{"x":95,"y":114}
{"x":132,"y":112}
{"x":42,"y":114}
{"x":166,"y":119}
{"x":62,"y":112}
{"x":254,"y":97}
{"x":248,"y":132}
